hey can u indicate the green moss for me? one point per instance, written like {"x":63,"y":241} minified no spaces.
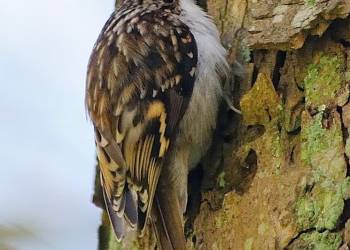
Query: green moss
{"x":314,"y":138}
{"x":248,"y":244}
{"x":276,"y":147}
{"x":318,"y":143}
{"x":345,"y":188}
{"x":245,"y":51}
{"x":347,"y":76}
{"x":103,"y":233}
{"x":276,"y":144}
{"x":330,"y":204}
{"x":322,"y":207}
{"x":219,"y":221}
{"x":311,"y":3}
{"x":323,"y":80}
{"x":261,"y":104}
{"x":263,"y":228}
{"x":107,"y":240}
{"x":113,"y":244}
{"x":306,"y":212}
{"x":322,"y":150}
{"x":322,"y":147}
{"x":221,"y":180}
{"x":318,"y":241}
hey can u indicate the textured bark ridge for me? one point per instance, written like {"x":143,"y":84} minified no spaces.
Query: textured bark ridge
{"x":277,"y":177}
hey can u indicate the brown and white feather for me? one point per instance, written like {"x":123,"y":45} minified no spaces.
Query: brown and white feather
{"x":139,"y":83}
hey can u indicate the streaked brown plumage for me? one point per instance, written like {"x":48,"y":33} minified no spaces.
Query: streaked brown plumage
{"x":140,"y":79}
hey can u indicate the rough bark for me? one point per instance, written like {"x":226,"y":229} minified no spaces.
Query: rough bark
{"x":277,"y":177}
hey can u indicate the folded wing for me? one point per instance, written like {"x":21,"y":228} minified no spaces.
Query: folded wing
{"x":139,"y":82}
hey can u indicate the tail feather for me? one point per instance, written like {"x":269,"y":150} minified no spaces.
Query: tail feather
{"x":131,"y":209}
{"x":167,"y":219}
{"x":117,"y":222}
{"x":159,"y":227}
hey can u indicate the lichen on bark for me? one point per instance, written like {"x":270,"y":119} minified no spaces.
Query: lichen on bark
{"x":315,"y":240}
{"x":293,"y":122}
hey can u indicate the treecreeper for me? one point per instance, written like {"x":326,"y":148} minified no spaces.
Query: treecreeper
{"x":153,"y":91}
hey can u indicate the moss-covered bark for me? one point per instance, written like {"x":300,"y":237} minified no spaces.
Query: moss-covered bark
{"x":277,"y":177}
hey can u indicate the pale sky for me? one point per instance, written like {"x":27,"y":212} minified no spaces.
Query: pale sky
{"x":46,"y":143}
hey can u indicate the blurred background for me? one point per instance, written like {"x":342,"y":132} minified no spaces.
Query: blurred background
{"x":46,"y":142}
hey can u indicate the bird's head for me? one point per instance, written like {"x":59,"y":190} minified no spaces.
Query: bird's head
{"x":150,"y":2}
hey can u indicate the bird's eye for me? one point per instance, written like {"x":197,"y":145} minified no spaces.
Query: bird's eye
{"x":168,"y":1}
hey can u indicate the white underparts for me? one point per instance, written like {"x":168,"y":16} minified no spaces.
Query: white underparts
{"x":197,"y":126}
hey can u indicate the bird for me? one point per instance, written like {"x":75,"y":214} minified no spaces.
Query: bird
{"x":153,"y":90}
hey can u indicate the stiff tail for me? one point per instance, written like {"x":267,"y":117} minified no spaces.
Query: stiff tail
{"x":167,"y":218}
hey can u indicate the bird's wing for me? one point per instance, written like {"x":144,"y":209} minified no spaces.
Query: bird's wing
{"x":140,"y":79}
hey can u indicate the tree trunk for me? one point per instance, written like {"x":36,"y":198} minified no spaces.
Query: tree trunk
{"x":277,"y":175}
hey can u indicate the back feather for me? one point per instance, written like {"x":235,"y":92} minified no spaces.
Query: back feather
{"x":140,"y":79}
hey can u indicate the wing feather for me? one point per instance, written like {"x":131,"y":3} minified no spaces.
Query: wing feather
{"x":139,"y":84}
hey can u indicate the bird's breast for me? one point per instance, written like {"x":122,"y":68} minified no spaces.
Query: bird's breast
{"x":199,"y":121}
